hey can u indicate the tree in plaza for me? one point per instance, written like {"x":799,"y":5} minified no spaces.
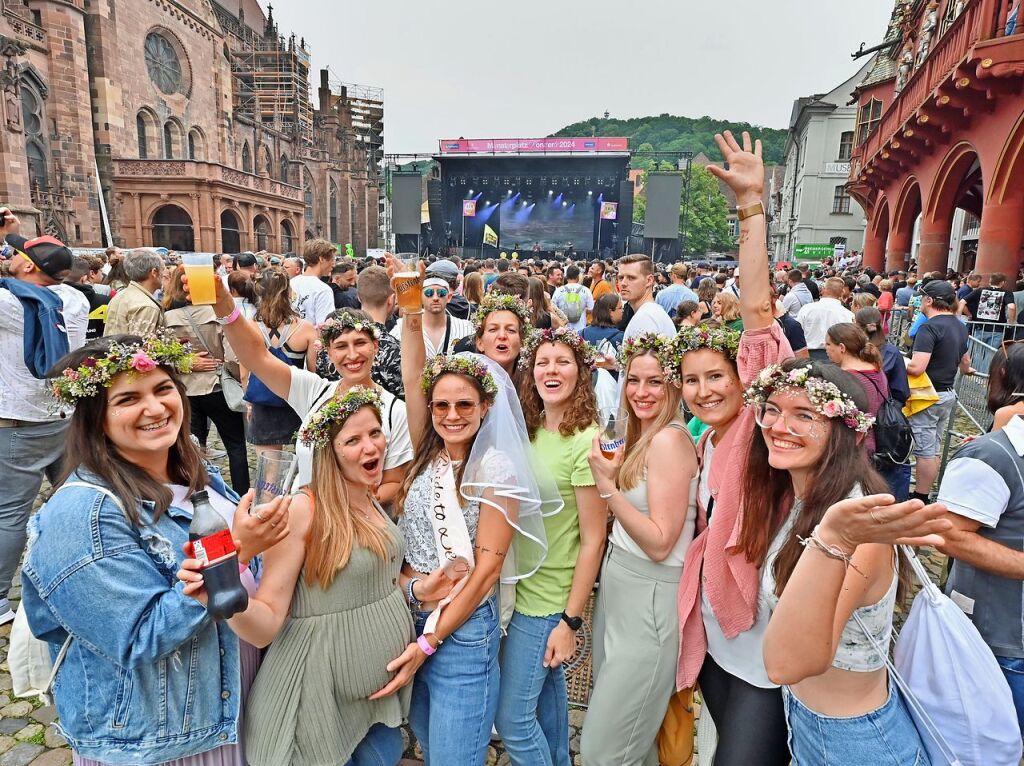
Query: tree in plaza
{"x":707,"y":217}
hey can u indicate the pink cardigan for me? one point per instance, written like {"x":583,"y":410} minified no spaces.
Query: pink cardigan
{"x":712,"y":561}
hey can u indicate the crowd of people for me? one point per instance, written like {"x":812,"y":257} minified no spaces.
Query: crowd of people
{"x":455,"y":505}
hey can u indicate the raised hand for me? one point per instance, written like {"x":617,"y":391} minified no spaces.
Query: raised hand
{"x":880,"y":519}
{"x":745,"y":175}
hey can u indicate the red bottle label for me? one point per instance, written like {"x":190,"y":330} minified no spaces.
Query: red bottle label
{"x":214,"y":548}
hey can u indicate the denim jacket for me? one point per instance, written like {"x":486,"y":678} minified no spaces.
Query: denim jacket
{"x":148,"y":677}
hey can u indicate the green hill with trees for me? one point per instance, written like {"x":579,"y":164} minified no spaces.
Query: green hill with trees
{"x":669,"y":133}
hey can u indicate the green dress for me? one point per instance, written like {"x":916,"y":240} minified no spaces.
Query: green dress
{"x":308,"y":705}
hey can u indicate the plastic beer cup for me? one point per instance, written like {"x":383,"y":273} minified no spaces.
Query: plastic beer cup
{"x":200,"y":273}
{"x":407,"y":283}
{"x":613,"y":430}
{"x":274,"y":472}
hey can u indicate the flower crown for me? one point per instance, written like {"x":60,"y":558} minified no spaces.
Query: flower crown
{"x":459,"y":364}
{"x":503,"y":302}
{"x":825,"y":396}
{"x":96,"y":372}
{"x":566,"y":335}
{"x":663,"y":348}
{"x":340,"y":322}
{"x":720,"y":339}
{"x":318,"y":433}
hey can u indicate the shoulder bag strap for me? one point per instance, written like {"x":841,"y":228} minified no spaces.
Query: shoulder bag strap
{"x":447,"y":333}
{"x":921,"y":715}
{"x":67,"y":641}
{"x":199,"y":335}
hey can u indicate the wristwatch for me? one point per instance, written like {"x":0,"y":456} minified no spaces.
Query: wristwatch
{"x":573,"y":622}
{"x":750,"y":211}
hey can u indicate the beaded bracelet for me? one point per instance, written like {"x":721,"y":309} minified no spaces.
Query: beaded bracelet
{"x":409,"y":596}
{"x":832,"y":551}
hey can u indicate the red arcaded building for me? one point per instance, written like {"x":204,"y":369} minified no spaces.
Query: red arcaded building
{"x":941,"y":127}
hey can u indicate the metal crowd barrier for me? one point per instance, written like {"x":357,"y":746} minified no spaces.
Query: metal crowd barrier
{"x":970,"y":416}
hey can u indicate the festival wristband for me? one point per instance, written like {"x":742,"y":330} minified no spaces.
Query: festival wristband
{"x":424,"y":644}
{"x":230,"y":317}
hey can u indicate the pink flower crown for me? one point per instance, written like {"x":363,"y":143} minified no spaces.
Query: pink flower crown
{"x":825,"y":396}
{"x":98,"y":372}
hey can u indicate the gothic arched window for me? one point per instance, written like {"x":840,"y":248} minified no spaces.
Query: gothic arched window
{"x":35,"y":138}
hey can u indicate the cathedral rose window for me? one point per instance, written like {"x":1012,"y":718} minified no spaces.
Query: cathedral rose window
{"x":162,"y":63}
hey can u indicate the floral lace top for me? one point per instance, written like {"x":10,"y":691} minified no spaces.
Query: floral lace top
{"x":415,"y":524}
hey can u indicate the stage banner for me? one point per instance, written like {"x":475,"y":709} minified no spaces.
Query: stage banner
{"x":490,"y":236}
{"x":609,"y":211}
{"x":494,"y":145}
{"x":469,"y":208}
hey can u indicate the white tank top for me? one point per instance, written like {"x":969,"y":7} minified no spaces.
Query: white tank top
{"x":638,"y":497}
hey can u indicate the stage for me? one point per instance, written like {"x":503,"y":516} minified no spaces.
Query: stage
{"x":512,"y":195}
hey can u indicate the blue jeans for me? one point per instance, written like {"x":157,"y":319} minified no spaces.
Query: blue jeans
{"x":1013,"y":669}
{"x":455,"y":693}
{"x":533,"y":705}
{"x":382,"y":746}
{"x":26,"y":454}
{"x":885,"y":736}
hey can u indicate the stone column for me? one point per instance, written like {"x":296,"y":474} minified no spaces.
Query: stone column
{"x":137,"y":209}
{"x":1002,"y":230}
{"x":874,"y":250}
{"x":898,"y":250}
{"x":934,"y":252}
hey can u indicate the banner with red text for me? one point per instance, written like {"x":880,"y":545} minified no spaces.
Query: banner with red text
{"x":541,"y":145}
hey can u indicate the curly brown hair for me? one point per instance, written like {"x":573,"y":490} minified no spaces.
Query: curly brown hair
{"x":582,"y":412}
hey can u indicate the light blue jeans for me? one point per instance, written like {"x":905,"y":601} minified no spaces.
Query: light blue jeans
{"x":382,"y":746}
{"x":1013,"y":669}
{"x":455,"y":693}
{"x":27,"y":453}
{"x":533,"y":705}
{"x":884,"y":737}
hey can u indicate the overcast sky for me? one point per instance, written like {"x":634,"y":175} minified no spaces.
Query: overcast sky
{"x":529,"y":67}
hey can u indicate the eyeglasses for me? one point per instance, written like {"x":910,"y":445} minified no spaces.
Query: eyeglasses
{"x":463,"y":407}
{"x":442,"y":292}
{"x":799,"y":424}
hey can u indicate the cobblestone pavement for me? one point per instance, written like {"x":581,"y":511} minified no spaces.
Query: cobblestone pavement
{"x":29,"y":736}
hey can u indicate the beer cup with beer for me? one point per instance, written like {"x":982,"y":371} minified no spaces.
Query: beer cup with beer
{"x":613,"y":430}
{"x":407,"y":283}
{"x":199,"y":270}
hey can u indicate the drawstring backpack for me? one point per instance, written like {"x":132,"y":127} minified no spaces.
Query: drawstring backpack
{"x":957,"y":695}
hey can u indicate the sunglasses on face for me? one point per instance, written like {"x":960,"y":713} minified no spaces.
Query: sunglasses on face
{"x":463,"y":407}
{"x":441,"y":292}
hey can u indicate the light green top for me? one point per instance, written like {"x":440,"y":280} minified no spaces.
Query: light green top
{"x":565,"y":457}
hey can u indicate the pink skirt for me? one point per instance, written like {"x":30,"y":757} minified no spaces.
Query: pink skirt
{"x":228,"y":755}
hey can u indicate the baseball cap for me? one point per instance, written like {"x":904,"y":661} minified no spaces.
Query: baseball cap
{"x":939,"y":288}
{"x":49,"y":254}
{"x":444,"y":269}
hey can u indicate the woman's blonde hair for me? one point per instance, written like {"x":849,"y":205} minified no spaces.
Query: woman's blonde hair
{"x":634,"y":467}
{"x":334,"y":526}
{"x":473,"y":287}
{"x":863,"y":301}
{"x":730,"y":306}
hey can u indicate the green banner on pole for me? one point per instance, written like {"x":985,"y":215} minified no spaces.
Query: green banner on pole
{"x":805,"y":251}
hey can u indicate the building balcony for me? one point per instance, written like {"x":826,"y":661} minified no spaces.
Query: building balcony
{"x":967,"y":67}
{"x":211,"y":173}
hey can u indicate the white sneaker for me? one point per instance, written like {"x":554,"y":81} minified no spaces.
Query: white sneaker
{"x":6,"y":613}
{"x":215,"y":454}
